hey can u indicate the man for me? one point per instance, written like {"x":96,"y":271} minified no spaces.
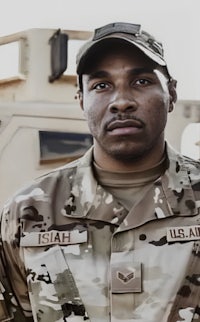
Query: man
{"x":113,"y":236}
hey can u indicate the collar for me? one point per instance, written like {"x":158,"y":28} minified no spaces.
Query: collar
{"x":172,"y":194}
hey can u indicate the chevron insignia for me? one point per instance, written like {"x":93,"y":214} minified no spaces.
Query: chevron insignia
{"x":125,"y":278}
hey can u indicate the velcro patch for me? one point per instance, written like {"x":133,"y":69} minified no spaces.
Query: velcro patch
{"x":183,"y":233}
{"x":53,"y":237}
{"x":126,"y":278}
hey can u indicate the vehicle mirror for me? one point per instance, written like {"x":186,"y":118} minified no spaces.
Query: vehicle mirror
{"x":59,"y":51}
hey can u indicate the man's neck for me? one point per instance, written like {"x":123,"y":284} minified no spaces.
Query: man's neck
{"x":147,"y":161}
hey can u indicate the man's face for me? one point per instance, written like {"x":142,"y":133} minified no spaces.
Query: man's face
{"x":125,"y":100}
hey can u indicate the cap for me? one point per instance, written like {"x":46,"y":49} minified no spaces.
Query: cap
{"x":129,"y":32}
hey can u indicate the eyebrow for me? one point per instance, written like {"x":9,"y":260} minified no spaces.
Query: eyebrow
{"x":143,"y":70}
{"x":135,"y":72}
{"x":98,"y":74}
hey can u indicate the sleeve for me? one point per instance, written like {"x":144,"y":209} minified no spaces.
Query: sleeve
{"x":14,"y":299}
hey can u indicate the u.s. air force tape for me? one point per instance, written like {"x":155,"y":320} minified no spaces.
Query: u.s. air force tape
{"x":183,"y":233}
{"x":53,"y":237}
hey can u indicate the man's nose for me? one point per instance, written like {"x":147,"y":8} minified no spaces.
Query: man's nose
{"x":122,"y":102}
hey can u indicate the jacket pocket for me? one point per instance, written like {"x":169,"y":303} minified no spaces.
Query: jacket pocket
{"x":52,"y":289}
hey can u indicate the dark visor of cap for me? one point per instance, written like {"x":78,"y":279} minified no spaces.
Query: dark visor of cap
{"x":121,"y":27}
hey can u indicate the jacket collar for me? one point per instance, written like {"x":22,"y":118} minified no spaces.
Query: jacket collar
{"x":172,"y":195}
{"x":177,"y":186}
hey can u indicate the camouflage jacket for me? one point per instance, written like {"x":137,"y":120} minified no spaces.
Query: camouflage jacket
{"x":71,"y":252}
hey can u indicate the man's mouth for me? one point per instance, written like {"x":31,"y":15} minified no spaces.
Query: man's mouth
{"x":124,"y":124}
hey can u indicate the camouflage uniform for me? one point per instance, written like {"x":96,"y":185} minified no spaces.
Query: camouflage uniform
{"x":78,"y":255}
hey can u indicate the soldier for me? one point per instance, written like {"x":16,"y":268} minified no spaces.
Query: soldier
{"x":113,"y":236}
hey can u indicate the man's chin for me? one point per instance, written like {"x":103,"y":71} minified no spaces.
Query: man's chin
{"x":127,"y":156}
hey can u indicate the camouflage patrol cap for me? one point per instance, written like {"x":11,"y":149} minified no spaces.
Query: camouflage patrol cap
{"x":128,"y":32}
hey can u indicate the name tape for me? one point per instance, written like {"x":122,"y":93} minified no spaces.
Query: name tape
{"x":53,"y":237}
{"x":183,"y":233}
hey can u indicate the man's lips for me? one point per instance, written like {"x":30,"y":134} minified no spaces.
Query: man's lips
{"x":117,"y":124}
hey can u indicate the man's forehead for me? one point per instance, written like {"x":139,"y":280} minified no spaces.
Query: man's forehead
{"x":98,"y":73}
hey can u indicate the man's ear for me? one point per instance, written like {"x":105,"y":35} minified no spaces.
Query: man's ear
{"x":80,"y":97}
{"x":173,"y":94}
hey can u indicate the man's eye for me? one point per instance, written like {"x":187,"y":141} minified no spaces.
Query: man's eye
{"x":142,"y":81}
{"x":100,"y":86}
